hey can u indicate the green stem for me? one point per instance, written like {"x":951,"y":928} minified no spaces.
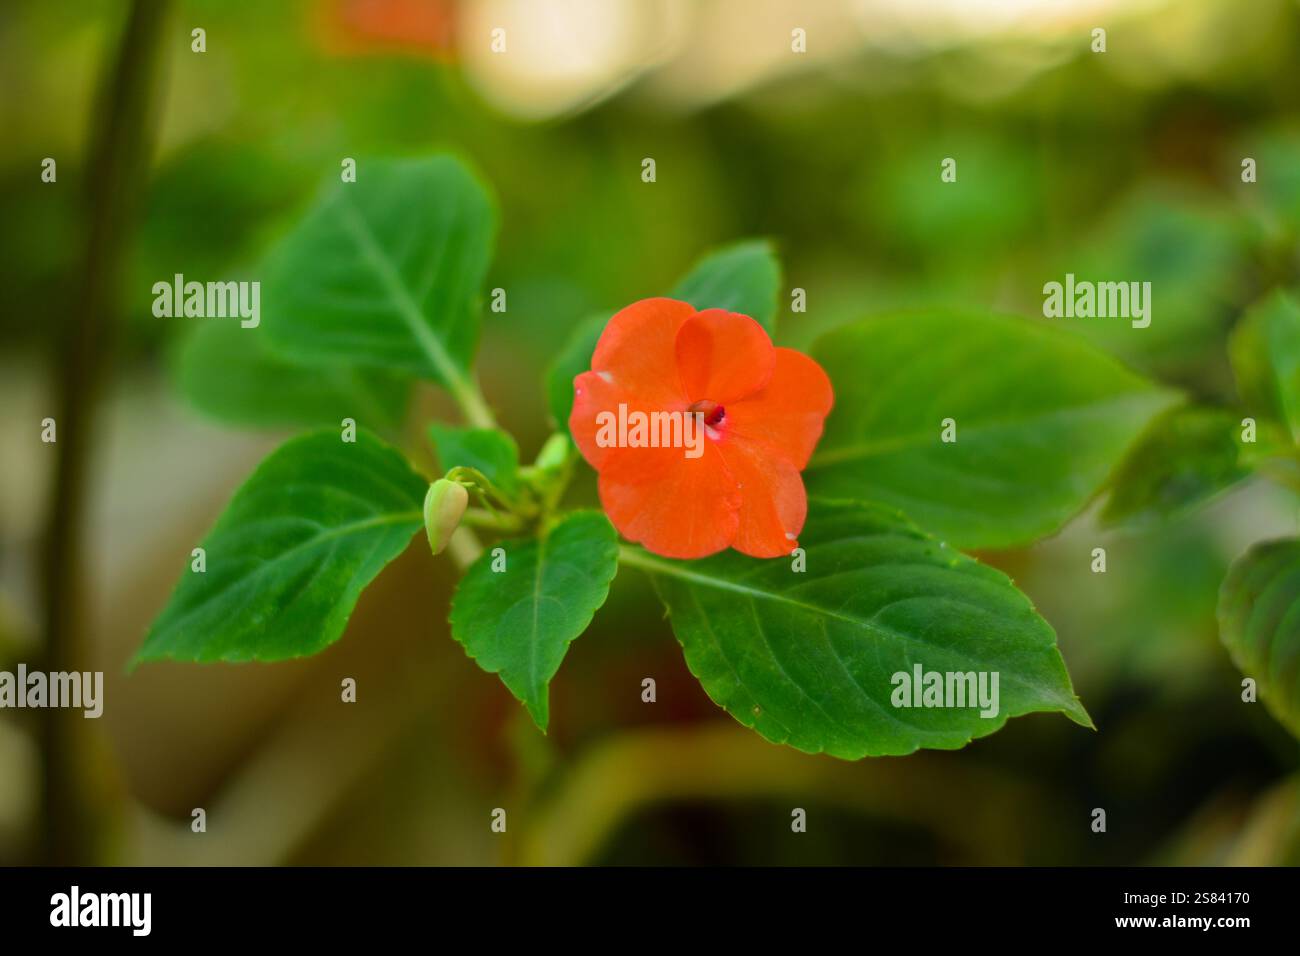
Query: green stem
{"x":482,"y":518}
{"x":470,"y":476}
{"x":555,"y":493}
{"x":472,"y":404}
{"x":77,"y":805}
{"x":635,"y":557}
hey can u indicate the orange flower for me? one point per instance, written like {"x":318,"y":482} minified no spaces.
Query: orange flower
{"x":759,"y":408}
{"x":360,"y":27}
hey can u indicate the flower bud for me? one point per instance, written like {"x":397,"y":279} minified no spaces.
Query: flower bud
{"x":444,"y":506}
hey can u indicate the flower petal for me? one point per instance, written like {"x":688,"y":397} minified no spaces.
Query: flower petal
{"x":594,"y":394}
{"x":690,"y":509}
{"x":637,"y":352}
{"x":773,"y":501}
{"x":598,"y":406}
{"x":788,"y":414}
{"x":723,"y":356}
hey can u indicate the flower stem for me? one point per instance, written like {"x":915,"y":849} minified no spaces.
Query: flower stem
{"x":465,"y":390}
{"x":635,"y":557}
{"x":482,"y":518}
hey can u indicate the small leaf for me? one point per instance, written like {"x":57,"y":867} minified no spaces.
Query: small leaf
{"x":518,"y":622}
{"x":743,"y":277}
{"x":309,"y":529}
{"x":386,"y":272}
{"x":1265,"y":352}
{"x":1186,"y":457}
{"x":1259,"y":621}
{"x":1040,"y":419}
{"x":228,"y":372}
{"x":553,"y":454}
{"x":810,"y":658}
{"x":573,"y":360}
{"x":489,"y":450}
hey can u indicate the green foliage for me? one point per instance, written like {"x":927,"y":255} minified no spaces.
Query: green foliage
{"x":1186,"y":457}
{"x":285,"y":563}
{"x":516,"y":613}
{"x":807,"y":659}
{"x":206,"y":181}
{"x":1048,"y":137}
{"x":490,"y":451}
{"x":386,"y":271}
{"x":1277,"y":151}
{"x":573,"y":360}
{"x":380,"y":282}
{"x":230,"y":373}
{"x":1190,"y":247}
{"x":996,"y":197}
{"x":1259,"y":621}
{"x":1041,"y":418}
{"x":742,"y":277}
{"x":1265,"y":352}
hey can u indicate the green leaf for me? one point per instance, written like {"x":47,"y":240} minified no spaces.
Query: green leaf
{"x":519,"y":622}
{"x":489,"y":450}
{"x":743,"y":277}
{"x":285,"y":563}
{"x":573,"y":360}
{"x":1265,"y":352}
{"x":1275,"y":198}
{"x":1186,"y":457}
{"x":1190,"y":245}
{"x":1259,"y":621}
{"x":1041,"y":419}
{"x":386,"y":271}
{"x":809,"y":658}
{"x":228,"y":372}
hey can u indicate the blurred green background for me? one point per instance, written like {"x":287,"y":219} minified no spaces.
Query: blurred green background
{"x":1124,"y":164}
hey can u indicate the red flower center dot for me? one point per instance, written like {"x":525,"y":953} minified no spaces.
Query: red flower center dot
{"x":713,"y":412}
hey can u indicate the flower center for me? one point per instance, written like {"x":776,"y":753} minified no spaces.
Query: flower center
{"x":713,"y":412}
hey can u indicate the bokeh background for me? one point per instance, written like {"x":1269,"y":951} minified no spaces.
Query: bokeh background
{"x":1124,"y":164}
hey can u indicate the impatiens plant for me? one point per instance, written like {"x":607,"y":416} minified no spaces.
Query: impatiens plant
{"x":801,"y":516}
{"x":1194,"y":453}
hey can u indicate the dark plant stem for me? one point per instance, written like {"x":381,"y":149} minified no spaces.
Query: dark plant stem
{"x":115,"y":172}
